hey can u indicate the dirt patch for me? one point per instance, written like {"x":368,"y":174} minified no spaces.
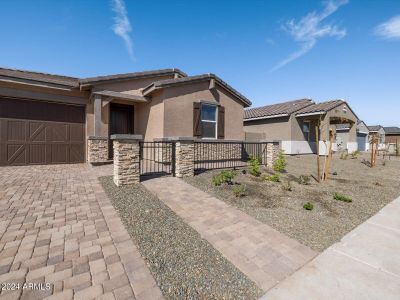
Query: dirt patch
{"x":370,"y":189}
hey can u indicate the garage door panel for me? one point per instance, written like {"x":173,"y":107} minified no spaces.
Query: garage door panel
{"x":37,"y":132}
{"x":16,"y":154}
{"x":16,"y":131}
{"x":76,"y":153}
{"x":33,"y":132}
{"x":37,"y":154}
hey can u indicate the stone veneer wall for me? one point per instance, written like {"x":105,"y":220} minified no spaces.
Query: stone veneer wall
{"x":126,"y":159}
{"x":272,"y":153}
{"x":184,"y":164}
{"x":97,"y":149}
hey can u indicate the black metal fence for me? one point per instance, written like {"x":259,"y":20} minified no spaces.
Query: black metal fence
{"x":157,"y":158}
{"x":220,"y":155}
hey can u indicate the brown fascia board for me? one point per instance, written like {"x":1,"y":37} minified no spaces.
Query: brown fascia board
{"x":88,"y":82}
{"x":38,"y":77}
{"x":193,"y":79}
{"x":119,"y":95}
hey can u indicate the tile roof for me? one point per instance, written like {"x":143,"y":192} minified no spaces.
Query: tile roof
{"x":320,"y":107}
{"x":160,"y":72}
{"x":40,"y":77}
{"x":285,"y":108}
{"x":192,"y":79}
{"x":374,"y":127}
{"x":392,"y":130}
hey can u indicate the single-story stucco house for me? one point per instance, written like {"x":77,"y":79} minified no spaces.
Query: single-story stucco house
{"x":392,"y":134}
{"x":46,"y":119}
{"x":378,"y":131}
{"x":294,"y":124}
{"x":362,"y":136}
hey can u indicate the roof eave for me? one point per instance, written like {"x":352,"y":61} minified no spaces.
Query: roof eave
{"x":266,"y":117}
{"x":311,"y":114}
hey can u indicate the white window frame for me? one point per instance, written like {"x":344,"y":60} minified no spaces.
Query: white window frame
{"x":309,"y":130}
{"x":209,"y":121}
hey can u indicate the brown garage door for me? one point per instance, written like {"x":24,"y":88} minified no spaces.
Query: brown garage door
{"x":33,"y":132}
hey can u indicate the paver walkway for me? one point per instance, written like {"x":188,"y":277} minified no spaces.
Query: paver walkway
{"x":57,"y":226}
{"x":365,"y":264}
{"x":259,"y":251}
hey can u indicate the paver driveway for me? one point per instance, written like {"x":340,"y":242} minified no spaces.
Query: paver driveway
{"x":57,"y":226}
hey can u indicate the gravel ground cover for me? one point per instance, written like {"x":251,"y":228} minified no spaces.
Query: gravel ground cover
{"x":330,"y":219}
{"x":184,"y":265}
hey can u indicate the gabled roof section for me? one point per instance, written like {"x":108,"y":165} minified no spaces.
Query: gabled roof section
{"x":193,"y":79}
{"x":39,"y":77}
{"x":392,"y":130}
{"x":374,"y":128}
{"x":322,"y":107}
{"x":123,"y":96}
{"x":126,"y":76}
{"x":276,"y":110}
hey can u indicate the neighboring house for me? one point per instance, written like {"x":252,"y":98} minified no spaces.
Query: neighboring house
{"x":362,"y":136}
{"x":294,"y":123}
{"x":380,"y":132}
{"x":47,"y":118}
{"x":392,"y":135}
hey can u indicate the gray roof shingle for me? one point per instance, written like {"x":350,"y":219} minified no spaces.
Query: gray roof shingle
{"x":374,"y":127}
{"x":320,"y":107}
{"x":392,"y":130}
{"x":285,"y":108}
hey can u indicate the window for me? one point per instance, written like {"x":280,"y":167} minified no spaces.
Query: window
{"x":209,"y":121}
{"x":306,"y":130}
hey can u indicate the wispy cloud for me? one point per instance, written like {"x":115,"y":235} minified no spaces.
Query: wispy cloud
{"x":389,"y":29}
{"x":309,"y":29}
{"x":122,"y":27}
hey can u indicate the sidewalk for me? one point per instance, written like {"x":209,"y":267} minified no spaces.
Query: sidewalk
{"x":259,"y":251}
{"x":365,"y":264}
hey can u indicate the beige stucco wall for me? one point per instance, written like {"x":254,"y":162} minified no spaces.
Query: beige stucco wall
{"x":178,"y":109}
{"x":272,"y":129}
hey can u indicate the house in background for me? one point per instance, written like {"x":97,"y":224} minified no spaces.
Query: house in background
{"x":46,"y":118}
{"x":362,"y":136}
{"x":380,"y":132}
{"x":392,"y":134}
{"x":294,"y":124}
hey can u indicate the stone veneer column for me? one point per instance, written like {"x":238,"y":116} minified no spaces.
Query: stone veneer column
{"x":184,"y":157}
{"x":272,"y":152}
{"x":126,"y":158}
{"x":97,"y":149}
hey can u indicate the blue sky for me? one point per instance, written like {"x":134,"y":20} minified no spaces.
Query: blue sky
{"x":270,"y":51}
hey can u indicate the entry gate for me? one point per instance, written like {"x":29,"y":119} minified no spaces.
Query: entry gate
{"x":157,"y":158}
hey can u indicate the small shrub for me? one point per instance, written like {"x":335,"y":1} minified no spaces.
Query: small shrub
{"x":239,"y":190}
{"x":308,"y":206}
{"x":228,"y":175}
{"x":354,"y":154}
{"x":274,"y":178}
{"x":280,"y":162}
{"x":304,"y":179}
{"x":378,"y":183}
{"x":341,"y":197}
{"x":223,"y":177}
{"x":344,"y":155}
{"x":255,"y":166}
{"x":287,"y":186}
{"x":334,"y":173}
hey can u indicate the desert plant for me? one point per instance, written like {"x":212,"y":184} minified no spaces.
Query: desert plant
{"x":228,"y":175}
{"x":341,"y":197}
{"x":344,"y":155}
{"x":334,"y":173}
{"x":239,"y":190}
{"x":255,"y":166}
{"x":304,"y":179}
{"x":308,"y":206}
{"x":354,"y":154}
{"x":225,"y":176}
{"x":274,"y":178}
{"x":280,"y":162}
{"x":287,"y":186}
